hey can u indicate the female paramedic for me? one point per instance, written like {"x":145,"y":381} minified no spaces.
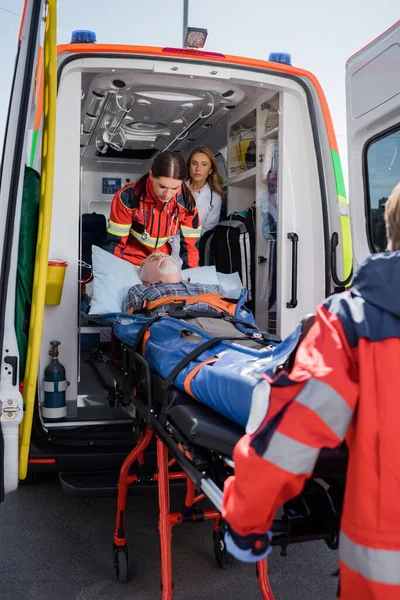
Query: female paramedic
{"x":205,"y":183}
{"x":146,"y":214}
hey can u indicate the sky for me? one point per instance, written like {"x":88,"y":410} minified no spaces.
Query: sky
{"x":319,"y":34}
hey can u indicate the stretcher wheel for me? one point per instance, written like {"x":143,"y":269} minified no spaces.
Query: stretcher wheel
{"x":121,"y":565}
{"x":223,"y":558}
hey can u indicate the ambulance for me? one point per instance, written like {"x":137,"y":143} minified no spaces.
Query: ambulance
{"x":86,"y":118}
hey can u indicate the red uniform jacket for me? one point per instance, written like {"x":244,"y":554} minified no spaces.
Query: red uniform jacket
{"x":345,"y":383}
{"x":140,"y":223}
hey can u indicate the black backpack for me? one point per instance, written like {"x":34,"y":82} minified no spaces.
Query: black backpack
{"x":230,"y":246}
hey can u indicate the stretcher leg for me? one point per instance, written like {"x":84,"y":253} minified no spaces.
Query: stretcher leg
{"x":165,"y":526}
{"x":263,"y":580}
{"x":124,"y":481}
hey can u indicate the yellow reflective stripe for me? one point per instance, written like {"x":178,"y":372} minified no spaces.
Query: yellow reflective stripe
{"x":189,"y":232}
{"x":345,"y":230}
{"x":382,"y":566}
{"x":344,"y":218}
{"x":118,"y":229}
{"x":150,"y":242}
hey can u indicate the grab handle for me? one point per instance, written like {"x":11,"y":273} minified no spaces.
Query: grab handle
{"x":335,"y":277}
{"x":294,"y":238}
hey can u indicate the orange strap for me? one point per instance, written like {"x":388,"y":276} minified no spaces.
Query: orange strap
{"x":193,"y":372}
{"x":214,"y":300}
{"x":145,"y":338}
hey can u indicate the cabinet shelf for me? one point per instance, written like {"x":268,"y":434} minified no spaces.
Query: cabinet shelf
{"x":245,"y":179}
{"x":272,"y":134}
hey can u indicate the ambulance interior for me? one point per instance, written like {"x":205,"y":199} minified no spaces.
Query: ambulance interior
{"x":111,"y":124}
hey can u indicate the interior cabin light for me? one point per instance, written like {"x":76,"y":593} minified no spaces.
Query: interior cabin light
{"x":195,"y":37}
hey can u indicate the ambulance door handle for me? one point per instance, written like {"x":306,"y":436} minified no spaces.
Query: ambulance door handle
{"x":335,"y":277}
{"x":294,"y":238}
{"x":13,"y":362}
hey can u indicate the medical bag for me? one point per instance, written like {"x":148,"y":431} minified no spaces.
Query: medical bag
{"x":230,"y":246}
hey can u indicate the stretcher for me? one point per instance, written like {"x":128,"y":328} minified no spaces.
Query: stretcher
{"x":192,"y":415}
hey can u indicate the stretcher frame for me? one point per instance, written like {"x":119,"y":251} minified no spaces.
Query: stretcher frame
{"x":144,"y":388}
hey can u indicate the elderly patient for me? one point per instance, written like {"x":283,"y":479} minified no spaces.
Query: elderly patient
{"x":162,"y":278}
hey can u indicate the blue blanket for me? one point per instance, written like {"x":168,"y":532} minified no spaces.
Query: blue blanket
{"x":225,"y":385}
{"x":230,"y":382}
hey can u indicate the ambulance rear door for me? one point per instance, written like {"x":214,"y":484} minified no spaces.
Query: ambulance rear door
{"x":13,"y":161}
{"x":373,"y":137}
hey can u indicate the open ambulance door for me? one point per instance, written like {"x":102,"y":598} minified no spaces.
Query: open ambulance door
{"x":373,"y":138}
{"x":11,"y":180}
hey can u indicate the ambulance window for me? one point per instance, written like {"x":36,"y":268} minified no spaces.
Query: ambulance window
{"x":383,"y":173}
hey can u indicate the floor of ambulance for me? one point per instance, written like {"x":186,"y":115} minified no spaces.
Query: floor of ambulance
{"x":92,"y":404}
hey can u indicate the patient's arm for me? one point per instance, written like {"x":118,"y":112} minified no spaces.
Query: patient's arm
{"x":312,"y":410}
{"x":134,"y":298}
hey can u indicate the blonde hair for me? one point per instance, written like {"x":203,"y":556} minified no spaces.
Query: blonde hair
{"x":214,"y":179}
{"x":392,"y":219}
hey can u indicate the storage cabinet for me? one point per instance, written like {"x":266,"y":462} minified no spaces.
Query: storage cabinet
{"x":253,"y":166}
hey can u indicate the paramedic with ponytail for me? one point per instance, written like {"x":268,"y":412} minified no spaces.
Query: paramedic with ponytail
{"x":146,"y":214}
{"x":205,"y":183}
{"x":344,"y":385}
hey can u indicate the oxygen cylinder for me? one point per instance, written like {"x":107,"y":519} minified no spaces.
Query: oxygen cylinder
{"x":54,"y":385}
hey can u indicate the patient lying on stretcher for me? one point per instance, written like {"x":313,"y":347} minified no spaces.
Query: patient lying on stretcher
{"x":162,"y":278}
{"x":200,"y":342}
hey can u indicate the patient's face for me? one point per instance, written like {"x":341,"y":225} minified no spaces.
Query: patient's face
{"x":161,"y":268}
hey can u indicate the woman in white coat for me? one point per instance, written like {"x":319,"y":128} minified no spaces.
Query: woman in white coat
{"x":205,"y":183}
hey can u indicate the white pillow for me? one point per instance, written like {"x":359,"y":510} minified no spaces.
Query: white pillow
{"x":231,"y":284}
{"x":112,"y":279}
{"x":205,"y":275}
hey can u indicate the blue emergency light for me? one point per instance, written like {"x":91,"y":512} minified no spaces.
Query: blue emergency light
{"x":280,"y":57}
{"x":83,"y":36}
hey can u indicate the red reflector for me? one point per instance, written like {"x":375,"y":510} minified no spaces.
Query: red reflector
{"x":42,"y":461}
{"x":193,"y":51}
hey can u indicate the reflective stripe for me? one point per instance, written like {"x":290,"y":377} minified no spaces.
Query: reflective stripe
{"x":290,"y":455}
{"x":345,"y":228}
{"x":118,"y":229}
{"x":50,"y":386}
{"x":54,"y":413}
{"x":328,"y":404}
{"x":150,"y":242}
{"x":189,"y":232}
{"x":382,"y":566}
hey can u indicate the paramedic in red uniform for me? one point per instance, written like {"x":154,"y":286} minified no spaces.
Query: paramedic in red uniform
{"x":146,"y":214}
{"x":345,"y":383}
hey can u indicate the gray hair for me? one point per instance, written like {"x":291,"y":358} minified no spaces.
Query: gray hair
{"x":171,"y":267}
{"x":392,"y":219}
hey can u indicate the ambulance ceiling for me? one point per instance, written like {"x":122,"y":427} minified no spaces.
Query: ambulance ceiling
{"x":135,"y":115}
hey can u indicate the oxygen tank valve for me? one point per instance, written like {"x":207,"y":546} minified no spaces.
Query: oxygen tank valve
{"x":54,"y":349}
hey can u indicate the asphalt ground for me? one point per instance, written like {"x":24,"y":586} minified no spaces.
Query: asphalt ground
{"x":58,"y":547}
